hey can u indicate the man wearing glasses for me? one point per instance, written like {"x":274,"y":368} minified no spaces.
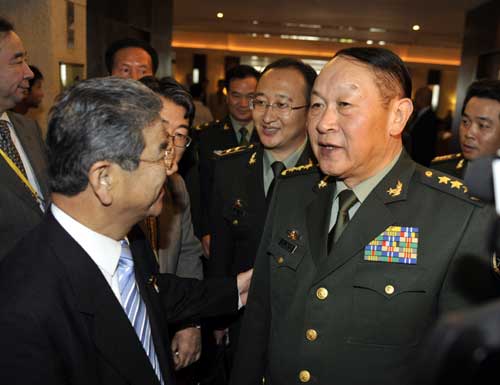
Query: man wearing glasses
{"x":244,"y":177}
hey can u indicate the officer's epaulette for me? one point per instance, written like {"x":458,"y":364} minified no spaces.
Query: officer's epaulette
{"x":448,"y":184}
{"x":233,"y":151}
{"x":202,"y":126}
{"x":299,"y":170}
{"x":444,"y":158}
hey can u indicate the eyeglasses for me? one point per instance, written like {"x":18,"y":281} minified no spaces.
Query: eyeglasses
{"x":281,"y":108}
{"x":167,"y":158}
{"x":180,"y":140}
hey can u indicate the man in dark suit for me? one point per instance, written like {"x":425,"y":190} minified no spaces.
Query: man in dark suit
{"x":81,"y":301}
{"x":244,"y":175}
{"x":131,"y":59}
{"x":356,"y":264}
{"x":236,"y":129}
{"x":423,"y":127}
{"x":479,"y":129}
{"x":23,"y":181}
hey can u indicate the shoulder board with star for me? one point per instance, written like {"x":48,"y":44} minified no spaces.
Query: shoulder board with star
{"x":300,"y":170}
{"x":448,"y":184}
{"x":445,"y":158}
{"x":233,"y":151}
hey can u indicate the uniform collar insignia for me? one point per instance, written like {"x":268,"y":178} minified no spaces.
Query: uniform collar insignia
{"x":252,"y":159}
{"x":396,"y":191}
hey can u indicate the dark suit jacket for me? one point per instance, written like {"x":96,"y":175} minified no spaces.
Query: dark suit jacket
{"x":342,"y":319}
{"x":424,"y":137}
{"x":19,"y":211}
{"x":61,"y":323}
{"x":218,"y":135}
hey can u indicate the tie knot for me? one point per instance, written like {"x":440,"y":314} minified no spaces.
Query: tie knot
{"x":243,"y":131}
{"x":126,"y":254}
{"x":347,"y":199}
{"x":277,"y":168}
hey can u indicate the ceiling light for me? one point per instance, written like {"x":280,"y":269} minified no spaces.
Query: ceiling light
{"x":255,"y":22}
{"x":416,"y":27}
{"x":375,"y":29}
{"x":254,"y":34}
{"x":381,"y":42}
{"x":266,"y":35}
{"x":220,"y":15}
{"x":369,"y":42}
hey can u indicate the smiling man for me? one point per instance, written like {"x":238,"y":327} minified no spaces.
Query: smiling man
{"x":479,"y":129}
{"x":23,"y":164}
{"x":355,"y":264}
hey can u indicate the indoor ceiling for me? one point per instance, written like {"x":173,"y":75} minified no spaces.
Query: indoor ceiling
{"x":441,"y":21}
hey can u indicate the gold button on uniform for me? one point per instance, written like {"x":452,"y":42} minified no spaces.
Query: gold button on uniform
{"x":304,"y":376}
{"x":389,"y":289}
{"x":281,"y":260}
{"x":311,"y":334}
{"x":321,"y":293}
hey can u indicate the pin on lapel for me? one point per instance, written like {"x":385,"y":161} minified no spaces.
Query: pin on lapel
{"x":396,"y":191}
{"x":252,"y":159}
{"x":153,"y":281}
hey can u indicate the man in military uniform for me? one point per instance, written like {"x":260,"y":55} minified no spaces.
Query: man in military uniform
{"x":243,"y":179}
{"x":355,"y":265}
{"x":479,"y":129}
{"x":236,"y":129}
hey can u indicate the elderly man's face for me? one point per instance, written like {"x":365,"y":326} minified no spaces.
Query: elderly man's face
{"x":281,"y":131}
{"x":348,"y":124}
{"x":480,"y":128}
{"x":14,"y":71}
{"x":140,"y":192}
{"x":132,"y":63}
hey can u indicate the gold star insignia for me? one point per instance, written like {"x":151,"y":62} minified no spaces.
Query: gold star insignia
{"x":443,"y":179}
{"x":456,"y":184}
{"x":252,"y":158}
{"x":428,"y":173}
{"x":396,"y":191}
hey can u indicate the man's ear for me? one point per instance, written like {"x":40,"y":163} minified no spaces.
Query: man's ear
{"x":101,"y":181}
{"x":402,"y":110}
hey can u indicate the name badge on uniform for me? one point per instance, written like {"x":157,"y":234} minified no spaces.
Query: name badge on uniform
{"x":397,"y":244}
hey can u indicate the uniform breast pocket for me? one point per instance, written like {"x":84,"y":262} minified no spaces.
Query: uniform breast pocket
{"x":389,"y":304}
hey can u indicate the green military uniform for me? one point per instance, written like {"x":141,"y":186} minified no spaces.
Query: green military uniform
{"x":451,"y":164}
{"x":356,"y":315}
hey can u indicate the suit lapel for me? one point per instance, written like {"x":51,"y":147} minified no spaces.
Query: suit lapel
{"x":371,"y":219}
{"x":113,"y":335}
{"x":30,"y":143}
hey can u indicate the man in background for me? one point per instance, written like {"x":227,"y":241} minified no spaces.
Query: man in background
{"x":35,"y":93}
{"x":131,"y":59}
{"x":24,"y":191}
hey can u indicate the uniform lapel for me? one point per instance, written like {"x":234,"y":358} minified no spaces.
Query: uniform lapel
{"x":371,"y":219}
{"x":107,"y":323}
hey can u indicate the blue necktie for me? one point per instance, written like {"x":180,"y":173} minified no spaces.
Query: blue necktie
{"x":134,"y":306}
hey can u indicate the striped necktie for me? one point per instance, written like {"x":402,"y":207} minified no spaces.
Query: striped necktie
{"x":134,"y":306}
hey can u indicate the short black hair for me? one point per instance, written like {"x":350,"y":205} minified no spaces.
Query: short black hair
{"x":37,"y":76}
{"x":172,"y":90}
{"x":5,"y":25}
{"x":126,"y":43}
{"x":241,"y":71}
{"x":483,"y":88}
{"x":390,"y":71}
{"x":307,"y":71}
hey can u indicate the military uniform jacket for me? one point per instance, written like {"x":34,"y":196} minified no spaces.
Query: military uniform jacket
{"x":339,"y":318}
{"x":239,"y":209}
{"x":452,"y":164}
{"x":217,"y":135}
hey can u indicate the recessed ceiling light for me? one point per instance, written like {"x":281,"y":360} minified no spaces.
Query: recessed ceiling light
{"x":254,"y":34}
{"x":381,"y":42}
{"x":266,"y":35}
{"x":369,"y":42}
{"x":220,"y":15}
{"x":416,"y":27}
{"x":255,"y":22}
{"x":376,"y":29}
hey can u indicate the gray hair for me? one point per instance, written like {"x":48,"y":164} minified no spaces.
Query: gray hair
{"x":97,"y":119}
